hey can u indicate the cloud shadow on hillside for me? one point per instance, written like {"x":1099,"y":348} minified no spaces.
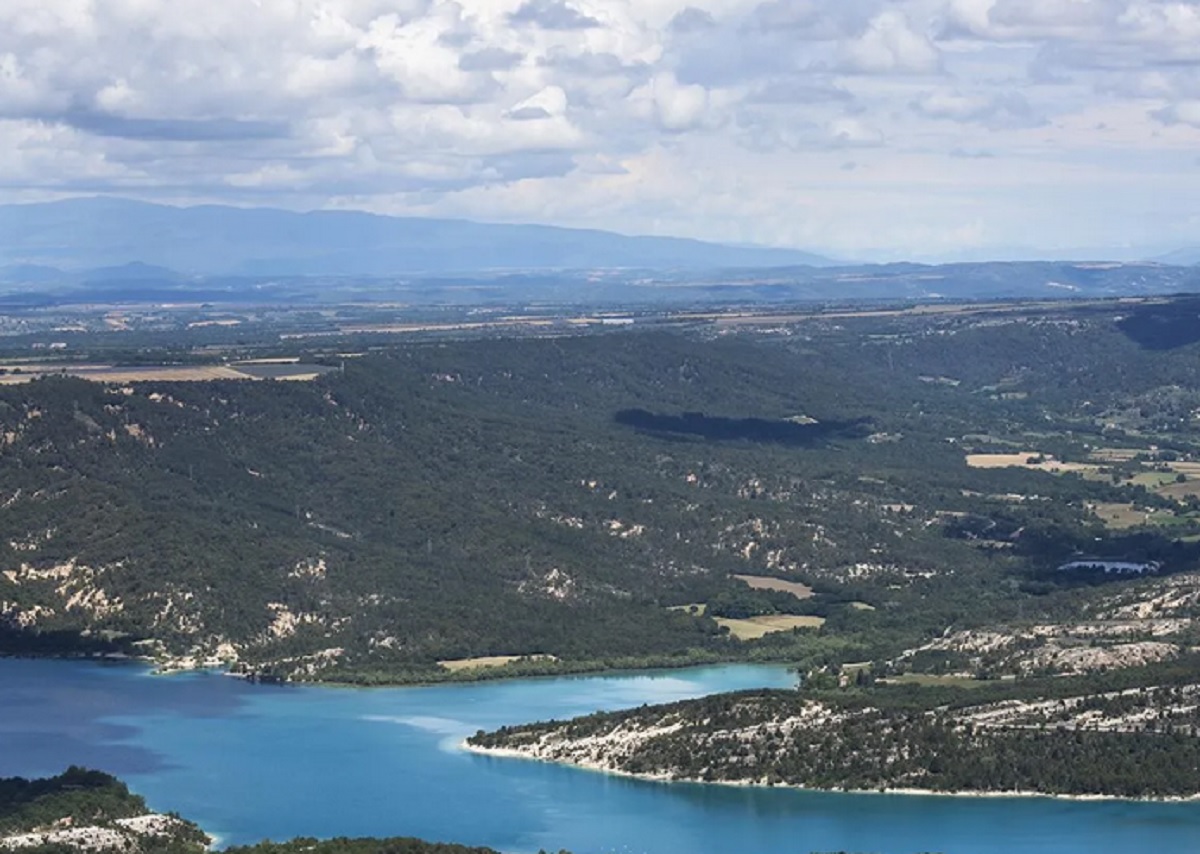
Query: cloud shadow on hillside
{"x":718,"y":428}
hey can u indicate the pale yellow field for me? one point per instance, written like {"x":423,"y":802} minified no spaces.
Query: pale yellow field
{"x":760,"y":582}
{"x":755,"y":627}
{"x":1021,"y":460}
{"x":105,"y":374}
{"x":457,"y":664}
{"x":171,"y":373}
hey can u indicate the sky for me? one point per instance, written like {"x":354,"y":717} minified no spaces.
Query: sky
{"x":863,"y":129}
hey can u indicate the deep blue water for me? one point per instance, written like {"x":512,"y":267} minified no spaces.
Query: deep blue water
{"x":250,"y":762}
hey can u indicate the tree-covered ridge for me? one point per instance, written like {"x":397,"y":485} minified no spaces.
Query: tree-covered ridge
{"x":82,"y":809}
{"x":447,"y":500}
{"x":1071,"y":738}
{"x":77,"y":793}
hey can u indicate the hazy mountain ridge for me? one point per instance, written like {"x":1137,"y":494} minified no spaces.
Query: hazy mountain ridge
{"x":217,"y":240}
{"x":114,"y":250}
{"x":1187,"y":256}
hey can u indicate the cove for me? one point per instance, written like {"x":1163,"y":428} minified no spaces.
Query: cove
{"x":250,"y":762}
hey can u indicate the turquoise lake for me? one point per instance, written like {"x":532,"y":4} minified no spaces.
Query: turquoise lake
{"x":250,"y":762}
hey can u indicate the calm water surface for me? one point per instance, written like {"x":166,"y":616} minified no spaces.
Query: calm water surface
{"x":250,"y":762}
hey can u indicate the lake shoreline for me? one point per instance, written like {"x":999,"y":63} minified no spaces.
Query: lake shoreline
{"x":166,"y":667}
{"x":598,"y":768}
{"x":247,"y":764}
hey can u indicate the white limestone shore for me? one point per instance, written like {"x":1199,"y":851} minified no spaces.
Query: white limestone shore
{"x":601,"y":768}
{"x":124,"y":834}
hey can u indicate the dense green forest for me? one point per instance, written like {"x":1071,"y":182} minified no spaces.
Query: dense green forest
{"x":563,"y":499}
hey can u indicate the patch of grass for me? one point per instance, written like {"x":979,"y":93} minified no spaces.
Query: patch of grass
{"x":456,"y":664}
{"x":1121,"y":516}
{"x":1153,"y":479}
{"x":1179,"y":491}
{"x":762,"y":582}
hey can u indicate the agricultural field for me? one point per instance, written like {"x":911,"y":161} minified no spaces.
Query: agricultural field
{"x":759,"y":582}
{"x":1029,"y":460}
{"x":1125,"y":516}
{"x":488,"y":661}
{"x":1175,"y":481}
{"x":24,"y":373}
{"x":753,"y":628}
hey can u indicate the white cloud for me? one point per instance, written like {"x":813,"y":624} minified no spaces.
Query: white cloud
{"x":411,"y":54}
{"x":603,"y":112}
{"x":891,"y":45}
{"x":673,"y":105}
{"x":1030,"y":19}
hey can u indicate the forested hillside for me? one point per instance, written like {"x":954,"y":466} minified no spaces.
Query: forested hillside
{"x":1068,"y":737}
{"x":587,"y":501}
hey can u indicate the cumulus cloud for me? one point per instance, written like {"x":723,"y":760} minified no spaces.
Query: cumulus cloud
{"x":674,"y":106}
{"x":552,"y":15}
{"x":489,"y":59}
{"x":1030,"y":19}
{"x":690,"y":20}
{"x":602,"y":112}
{"x":891,"y":45}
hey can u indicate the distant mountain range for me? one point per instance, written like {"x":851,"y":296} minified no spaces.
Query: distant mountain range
{"x":77,"y":234}
{"x":113,"y":250}
{"x":1188,"y":256}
